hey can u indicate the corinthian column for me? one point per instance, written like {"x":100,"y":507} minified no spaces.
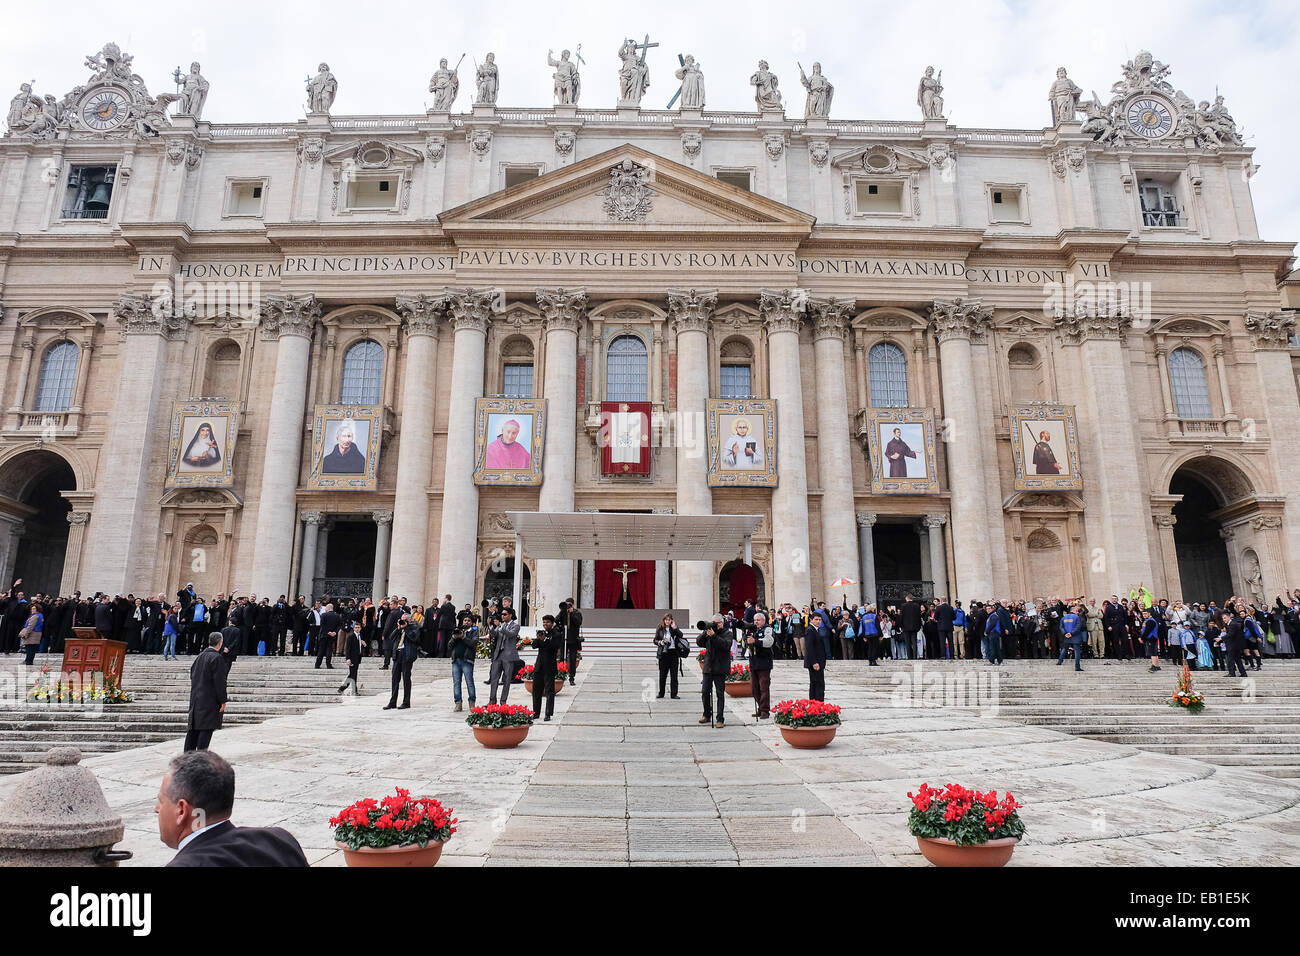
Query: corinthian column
{"x":953,"y":323}
{"x":406,"y":569}
{"x":310,"y":539}
{"x":791,"y":580}
{"x":1270,"y":335}
{"x":691,"y":312}
{"x":383,"y":532}
{"x":470,"y":311}
{"x":839,"y":535}
{"x":562,"y":311}
{"x":288,"y":319}
{"x":126,"y":518}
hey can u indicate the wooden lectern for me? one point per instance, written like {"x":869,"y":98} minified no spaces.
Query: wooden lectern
{"x":88,"y":654}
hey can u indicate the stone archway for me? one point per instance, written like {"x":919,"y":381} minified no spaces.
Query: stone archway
{"x":34,"y":524}
{"x":1206,"y":485}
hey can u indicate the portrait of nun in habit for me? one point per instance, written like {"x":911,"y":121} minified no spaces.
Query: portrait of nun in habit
{"x":202,"y":451}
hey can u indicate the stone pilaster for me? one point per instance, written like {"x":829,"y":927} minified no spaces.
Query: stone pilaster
{"x":407,"y":572}
{"x":1272,"y":559}
{"x":126,"y":515}
{"x":1270,"y":334}
{"x":953,"y":324}
{"x":77,"y":521}
{"x":938,"y":556}
{"x":1118,"y":516}
{"x":782,"y":311}
{"x":867,"y":554}
{"x":562,"y":313}
{"x":471,"y":312}
{"x":830,"y":319}
{"x":691,"y":312}
{"x":310,"y":540}
{"x":1173,"y":586}
{"x":383,"y":537}
{"x":289,"y":320}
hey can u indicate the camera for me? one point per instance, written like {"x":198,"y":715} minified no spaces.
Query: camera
{"x":703,"y":626}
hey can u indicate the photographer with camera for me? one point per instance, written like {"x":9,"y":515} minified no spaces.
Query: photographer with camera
{"x":406,"y":649}
{"x":670,"y":648}
{"x":716,"y":638}
{"x":549,"y":642}
{"x":505,"y":653}
{"x":760,"y":639}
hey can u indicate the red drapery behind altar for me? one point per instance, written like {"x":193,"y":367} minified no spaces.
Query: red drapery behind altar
{"x":743,"y":585}
{"x":640,"y":586}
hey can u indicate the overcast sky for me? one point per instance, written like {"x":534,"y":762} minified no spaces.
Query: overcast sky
{"x":998,"y":58}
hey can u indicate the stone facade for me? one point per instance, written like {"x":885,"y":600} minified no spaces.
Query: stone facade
{"x":992,"y":260}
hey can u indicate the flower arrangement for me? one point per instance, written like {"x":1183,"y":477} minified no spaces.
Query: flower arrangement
{"x":45,"y":690}
{"x":806,"y":713}
{"x":561,"y":669}
{"x":739,"y":672}
{"x":1185,"y":695}
{"x":967,"y":817}
{"x":497,"y":716}
{"x":702,"y":656}
{"x":396,"y":820}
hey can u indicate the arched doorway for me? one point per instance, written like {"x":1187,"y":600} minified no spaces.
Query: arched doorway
{"x":499,"y":582}
{"x":1203,"y":568}
{"x":739,"y":582}
{"x":31,"y":497}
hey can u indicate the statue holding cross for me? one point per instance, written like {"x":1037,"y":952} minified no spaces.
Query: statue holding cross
{"x":634,"y":75}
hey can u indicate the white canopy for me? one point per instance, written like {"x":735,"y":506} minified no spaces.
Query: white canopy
{"x":575,"y":535}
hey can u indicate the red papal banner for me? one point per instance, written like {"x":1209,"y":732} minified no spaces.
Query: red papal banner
{"x":624,"y":438}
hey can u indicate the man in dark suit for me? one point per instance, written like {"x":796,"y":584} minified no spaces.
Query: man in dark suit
{"x":716,"y":639}
{"x":279,"y":627}
{"x":229,"y":644}
{"x":548,"y":649}
{"x":388,"y":632}
{"x":406,"y":649}
{"x":446,"y":624}
{"x":911,"y":622}
{"x":331,"y":624}
{"x":943,"y":616}
{"x":207,"y":695}
{"x":814,"y":659}
{"x":195,"y":801}
{"x":572,"y":621}
{"x":103,"y":617}
{"x":1234,"y":642}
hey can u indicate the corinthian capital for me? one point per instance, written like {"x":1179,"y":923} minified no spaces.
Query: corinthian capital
{"x":472,"y":308}
{"x":1087,"y":322}
{"x":421,"y":313}
{"x":153,"y":314}
{"x":959,"y":318}
{"x":1270,"y":330}
{"x":691,"y":310}
{"x":782,"y":309}
{"x":562,"y":308}
{"x":289,"y":315}
{"x":830,"y":317}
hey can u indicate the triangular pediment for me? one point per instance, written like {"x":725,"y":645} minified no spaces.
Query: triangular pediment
{"x":626,"y":189}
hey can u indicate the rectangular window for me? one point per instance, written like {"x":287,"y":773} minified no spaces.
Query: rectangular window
{"x":740,"y":178}
{"x":1160,"y":203}
{"x":245,"y":198}
{"x":1007,"y":204}
{"x":880,"y":197}
{"x":735,"y":381}
{"x":373,"y":192}
{"x":521,"y":174}
{"x":89,"y":192}
{"x":518,"y":381}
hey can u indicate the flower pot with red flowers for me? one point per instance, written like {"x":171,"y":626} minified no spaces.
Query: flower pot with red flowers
{"x":701,"y":658}
{"x":526,"y":672}
{"x":738,"y":684}
{"x":500,"y":726}
{"x":394,"y":831}
{"x":959,"y":827}
{"x":807,"y":724}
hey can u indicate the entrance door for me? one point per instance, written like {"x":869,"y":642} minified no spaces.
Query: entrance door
{"x":897,"y":548}
{"x":1202,"y":555}
{"x":640,"y":589}
{"x":738,"y":583}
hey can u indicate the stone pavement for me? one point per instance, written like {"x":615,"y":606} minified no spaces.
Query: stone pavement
{"x":620,"y":777}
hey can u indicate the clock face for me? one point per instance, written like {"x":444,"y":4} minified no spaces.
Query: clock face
{"x":105,"y":109}
{"x":1150,"y":118}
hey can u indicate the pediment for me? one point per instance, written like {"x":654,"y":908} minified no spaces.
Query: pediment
{"x":626,"y":189}
{"x":881,"y":159}
{"x":374,"y":154}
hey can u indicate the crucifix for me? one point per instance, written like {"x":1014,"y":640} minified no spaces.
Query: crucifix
{"x":643,"y":47}
{"x":682,"y":61}
{"x":625,"y":570}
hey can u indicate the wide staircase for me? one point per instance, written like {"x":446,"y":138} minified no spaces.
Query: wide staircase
{"x":1252,"y":723}
{"x":619,"y":643}
{"x":259,"y":688}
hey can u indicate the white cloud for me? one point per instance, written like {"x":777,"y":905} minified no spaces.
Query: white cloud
{"x":998,"y":58}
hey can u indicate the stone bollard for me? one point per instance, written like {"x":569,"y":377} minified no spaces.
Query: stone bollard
{"x":57,"y":816}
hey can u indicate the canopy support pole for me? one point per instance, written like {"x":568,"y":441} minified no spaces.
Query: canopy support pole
{"x":518,"y":596}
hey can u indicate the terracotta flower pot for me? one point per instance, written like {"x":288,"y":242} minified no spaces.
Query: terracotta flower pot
{"x":528,"y":686}
{"x":501,"y":738}
{"x":410,"y":855}
{"x":739,"y":688}
{"x":944,"y":852}
{"x":808,"y":738}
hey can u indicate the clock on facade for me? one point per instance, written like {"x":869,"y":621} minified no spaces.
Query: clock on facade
{"x":105,"y":109}
{"x":1149,"y":118}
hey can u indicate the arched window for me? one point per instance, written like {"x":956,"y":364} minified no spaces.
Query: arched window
{"x":626,"y":370}
{"x":58,"y":378}
{"x":736,"y":373}
{"x":1191,"y":391}
{"x":363,"y":374}
{"x":1026,"y":373}
{"x":221,"y":376}
{"x":887,"y":368}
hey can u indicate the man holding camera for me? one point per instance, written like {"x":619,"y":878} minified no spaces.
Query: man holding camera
{"x":548,"y":643}
{"x":405,"y":652}
{"x":505,"y":654}
{"x":571,"y":618}
{"x":715,"y":637}
{"x":760,"y":640}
